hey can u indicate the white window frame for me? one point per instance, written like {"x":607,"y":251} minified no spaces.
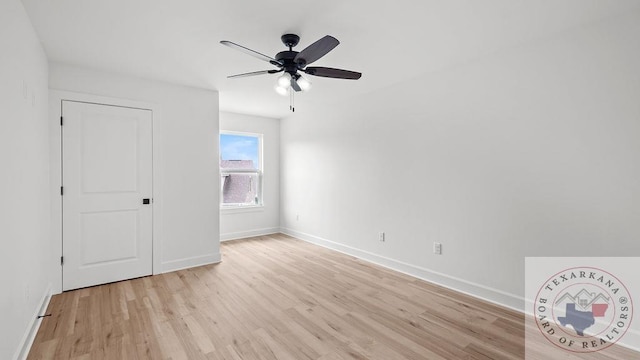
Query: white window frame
{"x":258,"y":172}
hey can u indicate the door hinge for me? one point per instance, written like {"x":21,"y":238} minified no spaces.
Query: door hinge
{"x":61,"y":190}
{"x":61,"y":120}
{"x":61,"y":260}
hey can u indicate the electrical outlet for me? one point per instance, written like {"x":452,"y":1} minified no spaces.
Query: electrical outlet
{"x":437,"y":248}
{"x":381,"y":236}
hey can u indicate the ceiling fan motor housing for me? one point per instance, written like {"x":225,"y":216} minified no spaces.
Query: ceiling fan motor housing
{"x":286,"y":58}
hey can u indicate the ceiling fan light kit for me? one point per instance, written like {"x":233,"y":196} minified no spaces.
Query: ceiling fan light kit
{"x":290,"y":62}
{"x":304,"y":84}
{"x":281,"y":90}
{"x":284,"y":81}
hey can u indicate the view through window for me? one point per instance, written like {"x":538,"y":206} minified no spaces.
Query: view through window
{"x":240,"y":169}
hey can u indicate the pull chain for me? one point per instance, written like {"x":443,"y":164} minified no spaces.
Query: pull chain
{"x":292,"y":106}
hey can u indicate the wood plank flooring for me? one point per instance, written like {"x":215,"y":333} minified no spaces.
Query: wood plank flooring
{"x":275,"y":297}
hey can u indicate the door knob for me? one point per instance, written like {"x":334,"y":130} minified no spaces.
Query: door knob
{"x":146,"y":201}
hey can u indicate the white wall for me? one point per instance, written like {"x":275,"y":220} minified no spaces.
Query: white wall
{"x":534,"y":151}
{"x":240,"y":223}
{"x":24,"y":183}
{"x":188,"y":182}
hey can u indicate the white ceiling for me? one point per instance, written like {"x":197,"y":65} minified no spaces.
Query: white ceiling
{"x":388,"y":41}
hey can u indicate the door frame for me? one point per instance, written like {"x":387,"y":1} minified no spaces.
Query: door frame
{"x":55,"y":172}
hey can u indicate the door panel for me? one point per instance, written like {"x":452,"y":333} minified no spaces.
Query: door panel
{"x":102,"y":157}
{"x":107,"y":171}
{"x":108,"y":236}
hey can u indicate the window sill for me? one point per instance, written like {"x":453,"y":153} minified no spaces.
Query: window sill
{"x":241,"y":209}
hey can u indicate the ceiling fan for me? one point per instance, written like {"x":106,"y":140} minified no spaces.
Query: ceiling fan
{"x":291,"y":63}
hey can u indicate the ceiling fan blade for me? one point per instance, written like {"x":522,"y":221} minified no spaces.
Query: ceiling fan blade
{"x":332,"y":73}
{"x":316,"y":50}
{"x":253,"y":53}
{"x":294,"y":85}
{"x":254,"y":73}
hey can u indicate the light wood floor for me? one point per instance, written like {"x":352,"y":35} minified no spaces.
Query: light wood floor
{"x":275,"y":297}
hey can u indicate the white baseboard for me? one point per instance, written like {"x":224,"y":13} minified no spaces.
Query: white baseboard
{"x":631,"y":337}
{"x":181,"y":264}
{"x":27,"y":339}
{"x":248,"y":233}
{"x":479,"y":291}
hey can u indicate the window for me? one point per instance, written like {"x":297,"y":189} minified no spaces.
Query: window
{"x":240,"y":169}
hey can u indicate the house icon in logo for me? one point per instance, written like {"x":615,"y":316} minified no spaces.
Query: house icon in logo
{"x":584,"y":299}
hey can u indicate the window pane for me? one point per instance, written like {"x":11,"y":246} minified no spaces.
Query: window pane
{"x":240,"y":189}
{"x":239,"y":151}
{"x":240,"y":169}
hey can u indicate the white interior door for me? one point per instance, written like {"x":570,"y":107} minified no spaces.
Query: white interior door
{"x":107,"y":174}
